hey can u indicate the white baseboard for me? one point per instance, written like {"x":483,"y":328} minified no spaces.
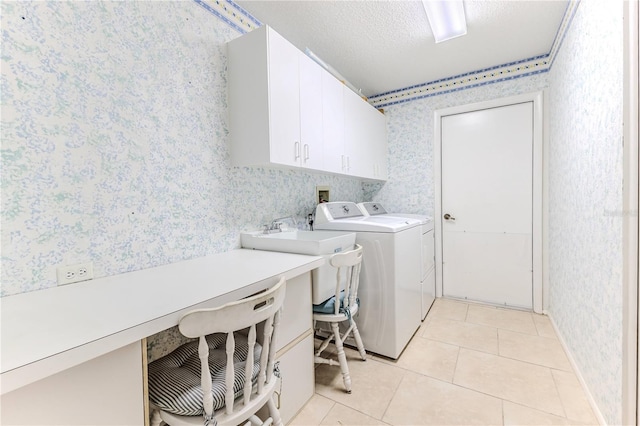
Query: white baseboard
{"x":576,"y":370}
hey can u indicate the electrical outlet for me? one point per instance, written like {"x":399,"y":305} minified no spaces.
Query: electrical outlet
{"x":75,"y":273}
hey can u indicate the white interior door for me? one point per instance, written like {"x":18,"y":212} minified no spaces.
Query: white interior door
{"x":487,"y":205}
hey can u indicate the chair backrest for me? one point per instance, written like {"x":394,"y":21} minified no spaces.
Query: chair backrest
{"x":262,"y":308}
{"x":347,"y":266}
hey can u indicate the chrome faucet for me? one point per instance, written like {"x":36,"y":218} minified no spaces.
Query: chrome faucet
{"x":276,"y":224}
{"x":272,"y":228}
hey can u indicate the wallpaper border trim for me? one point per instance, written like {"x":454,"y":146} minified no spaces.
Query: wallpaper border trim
{"x":242,"y":21}
{"x":231,"y":14}
{"x":563,"y":29}
{"x":510,"y":71}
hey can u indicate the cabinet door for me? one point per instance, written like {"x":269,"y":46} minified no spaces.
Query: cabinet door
{"x":79,"y":395}
{"x":333,"y":123}
{"x":295,"y":347}
{"x":377,"y":135}
{"x":248,"y":86}
{"x":298,"y":379}
{"x":358,"y":148}
{"x":311,"y":131}
{"x":296,"y":317}
{"x":284,"y":101}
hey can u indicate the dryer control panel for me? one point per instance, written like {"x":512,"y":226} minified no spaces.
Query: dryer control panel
{"x":373,"y":208}
{"x":326,"y":212}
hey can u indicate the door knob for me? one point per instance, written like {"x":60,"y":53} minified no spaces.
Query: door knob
{"x":447,"y":216}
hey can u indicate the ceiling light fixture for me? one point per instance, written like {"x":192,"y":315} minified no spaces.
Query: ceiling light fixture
{"x":446,"y":18}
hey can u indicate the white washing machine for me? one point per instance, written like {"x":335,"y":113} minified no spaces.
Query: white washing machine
{"x":427,"y":263}
{"x":390,"y":302}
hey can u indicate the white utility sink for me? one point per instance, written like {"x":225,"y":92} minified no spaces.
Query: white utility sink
{"x":314,"y":243}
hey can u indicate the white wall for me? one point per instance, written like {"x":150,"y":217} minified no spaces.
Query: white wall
{"x":585,"y":197}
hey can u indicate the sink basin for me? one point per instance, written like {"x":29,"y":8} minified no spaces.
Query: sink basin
{"x":316,"y":243}
{"x":301,"y":242}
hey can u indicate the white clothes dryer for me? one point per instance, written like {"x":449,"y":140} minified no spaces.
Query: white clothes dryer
{"x":390,"y":303}
{"x":427,"y":261}
{"x":371,"y":208}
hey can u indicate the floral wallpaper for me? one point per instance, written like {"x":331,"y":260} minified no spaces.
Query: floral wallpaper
{"x":115,"y":142}
{"x":585,"y":198}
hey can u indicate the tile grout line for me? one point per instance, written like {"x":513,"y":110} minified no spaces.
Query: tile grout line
{"x":518,"y":360}
{"x":555,"y":383}
{"x":455,"y":368}
{"x":395,"y":391}
{"x":467,"y":320}
{"x":519,"y":402}
{"x":328,"y":411}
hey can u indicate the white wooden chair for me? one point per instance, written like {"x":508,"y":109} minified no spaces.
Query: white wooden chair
{"x":228,"y":374}
{"x":340,"y":308}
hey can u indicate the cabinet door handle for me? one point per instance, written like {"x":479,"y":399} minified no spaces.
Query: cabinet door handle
{"x":348,"y":165}
{"x":306,"y":151}
{"x":296,"y":149}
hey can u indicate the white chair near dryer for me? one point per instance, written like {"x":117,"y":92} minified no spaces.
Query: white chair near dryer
{"x":229,"y":373}
{"x":341,"y":308}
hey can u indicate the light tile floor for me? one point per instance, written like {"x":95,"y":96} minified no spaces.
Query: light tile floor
{"x":467,"y":364}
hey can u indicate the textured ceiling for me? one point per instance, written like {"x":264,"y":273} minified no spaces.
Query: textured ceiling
{"x":381,"y":46}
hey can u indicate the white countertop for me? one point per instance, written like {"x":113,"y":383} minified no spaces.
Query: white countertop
{"x":47,"y":331}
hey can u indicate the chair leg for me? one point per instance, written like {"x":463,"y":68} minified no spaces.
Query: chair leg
{"x":323,"y":346}
{"x":342,"y":357}
{"x":358,"y":339}
{"x":274,"y":413}
{"x":257,"y":421}
{"x":155,"y":418}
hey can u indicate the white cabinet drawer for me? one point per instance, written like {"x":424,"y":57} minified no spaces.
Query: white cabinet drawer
{"x":298,"y":379}
{"x":296,"y":316}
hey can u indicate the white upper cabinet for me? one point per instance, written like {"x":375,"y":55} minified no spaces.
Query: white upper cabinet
{"x":311,"y":131}
{"x":286,"y":110}
{"x":283,"y":95}
{"x":365,"y":138}
{"x":264,"y":101}
{"x":335,"y":160}
{"x":359,"y":155}
{"x":377,"y":137}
